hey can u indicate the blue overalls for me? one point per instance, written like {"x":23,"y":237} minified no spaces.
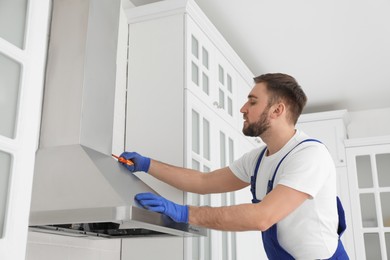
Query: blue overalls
{"x":272,"y":247}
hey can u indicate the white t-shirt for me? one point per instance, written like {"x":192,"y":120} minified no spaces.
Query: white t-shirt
{"x":310,"y":231}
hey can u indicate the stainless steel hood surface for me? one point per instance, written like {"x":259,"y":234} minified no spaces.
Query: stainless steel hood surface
{"x":79,"y":189}
{"x":83,"y":192}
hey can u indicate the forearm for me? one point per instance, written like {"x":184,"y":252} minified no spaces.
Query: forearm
{"x":243,"y":217}
{"x":181,"y":178}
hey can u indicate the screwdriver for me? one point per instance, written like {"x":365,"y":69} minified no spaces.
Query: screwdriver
{"x":123,"y":160}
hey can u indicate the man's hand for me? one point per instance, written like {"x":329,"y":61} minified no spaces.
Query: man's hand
{"x":141,"y":163}
{"x":152,"y":202}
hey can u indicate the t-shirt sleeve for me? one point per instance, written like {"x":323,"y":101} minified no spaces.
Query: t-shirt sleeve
{"x":307,"y":169}
{"x":244,"y":167}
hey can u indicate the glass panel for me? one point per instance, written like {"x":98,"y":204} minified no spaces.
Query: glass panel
{"x":206,"y":139}
{"x":206,"y":169}
{"x":233,"y":245}
{"x":195,"y":165}
{"x":231,"y":150}
{"x":221,"y":74}
{"x":205,"y":84}
{"x":205,"y":58}
{"x":229,"y":83}
{"x":383,"y":168}
{"x":222,"y":148}
{"x":232,"y":198}
{"x":195,"y":47}
{"x":195,"y":74}
{"x":10,"y":71}
{"x":385,"y":203}
{"x":367,"y":204}
{"x":207,"y":248}
{"x":5,"y":169}
{"x":387,"y":238}
{"x":13,"y":21}
{"x":230,"y":106}
{"x":207,"y":200}
{"x":363,"y":167}
{"x":195,"y":132}
{"x":221,"y":99}
{"x":225,"y":245}
{"x":372,"y":246}
{"x":195,"y":248}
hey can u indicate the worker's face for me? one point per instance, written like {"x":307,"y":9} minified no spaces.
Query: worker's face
{"x":256,"y":111}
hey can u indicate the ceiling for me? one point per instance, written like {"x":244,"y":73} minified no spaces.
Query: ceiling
{"x":339,"y":51}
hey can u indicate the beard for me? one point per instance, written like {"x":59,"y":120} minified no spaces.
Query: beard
{"x":259,"y":127}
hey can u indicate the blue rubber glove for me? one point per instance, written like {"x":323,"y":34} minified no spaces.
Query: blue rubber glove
{"x":141,"y":163}
{"x":153,"y":202}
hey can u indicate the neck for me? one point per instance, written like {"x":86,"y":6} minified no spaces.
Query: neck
{"x":275,"y":140}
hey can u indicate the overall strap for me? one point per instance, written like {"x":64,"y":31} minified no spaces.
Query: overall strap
{"x":271,"y":182}
{"x":254,"y":177}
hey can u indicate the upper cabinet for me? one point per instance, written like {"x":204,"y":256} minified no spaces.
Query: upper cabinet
{"x":330,"y":128}
{"x":185,"y":88}
{"x":368,"y":162}
{"x":23,"y":43}
{"x":178,"y":60}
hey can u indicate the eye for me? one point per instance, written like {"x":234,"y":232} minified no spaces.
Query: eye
{"x":252,"y":102}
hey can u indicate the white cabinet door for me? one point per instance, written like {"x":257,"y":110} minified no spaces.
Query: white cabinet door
{"x":211,"y":144}
{"x":182,"y":67}
{"x":369,"y":179}
{"x":23,"y":39}
{"x":210,"y":76}
{"x":200,"y":63}
{"x":329,"y":128}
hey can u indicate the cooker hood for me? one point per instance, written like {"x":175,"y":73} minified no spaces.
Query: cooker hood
{"x":79,"y":188}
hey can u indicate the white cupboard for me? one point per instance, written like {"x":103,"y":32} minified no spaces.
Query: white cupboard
{"x":185,"y":89}
{"x":368,"y":162}
{"x":331,"y":129}
{"x":23,"y":41}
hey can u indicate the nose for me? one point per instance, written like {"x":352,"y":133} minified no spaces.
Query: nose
{"x":243,"y":108}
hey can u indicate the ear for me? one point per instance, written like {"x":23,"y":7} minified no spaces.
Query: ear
{"x":277,"y":110}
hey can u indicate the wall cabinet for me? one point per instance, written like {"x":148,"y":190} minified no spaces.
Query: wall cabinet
{"x":331,"y":129}
{"x":185,"y":87}
{"x":22,"y":62}
{"x":369,"y":178}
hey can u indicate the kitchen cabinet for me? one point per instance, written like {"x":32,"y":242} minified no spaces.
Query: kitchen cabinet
{"x":368,"y":161}
{"x":22,"y":63}
{"x":185,"y":89}
{"x":331,"y":129}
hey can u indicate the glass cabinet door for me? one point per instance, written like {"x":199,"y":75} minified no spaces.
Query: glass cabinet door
{"x":369,"y":174}
{"x":200,"y":125}
{"x":200,"y":62}
{"x":210,"y":145}
{"x":23,"y":41}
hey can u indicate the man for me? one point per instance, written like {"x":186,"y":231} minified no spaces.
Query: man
{"x":292,"y":178}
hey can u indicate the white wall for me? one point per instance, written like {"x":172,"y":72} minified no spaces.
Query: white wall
{"x":369,"y":123}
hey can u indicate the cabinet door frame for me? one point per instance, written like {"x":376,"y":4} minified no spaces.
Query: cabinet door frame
{"x":357,"y":222}
{"x":23,"y":146}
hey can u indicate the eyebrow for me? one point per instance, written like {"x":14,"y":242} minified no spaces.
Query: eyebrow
{"x":251,"y":96}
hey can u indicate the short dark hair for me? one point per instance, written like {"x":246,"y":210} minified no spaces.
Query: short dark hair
{"x":283,"y":87}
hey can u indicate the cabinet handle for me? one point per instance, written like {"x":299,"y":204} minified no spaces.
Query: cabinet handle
{"x":217,"y":105}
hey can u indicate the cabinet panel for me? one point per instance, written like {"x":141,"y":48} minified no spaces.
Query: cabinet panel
{"x":370,"y":199}
{"x":210,"y":147}
{"x":202,"y":110}
{"x":13,"y":13}
{"x":23,"y":38}
{"x":211,"y":77}
{"x":332,"y":133}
